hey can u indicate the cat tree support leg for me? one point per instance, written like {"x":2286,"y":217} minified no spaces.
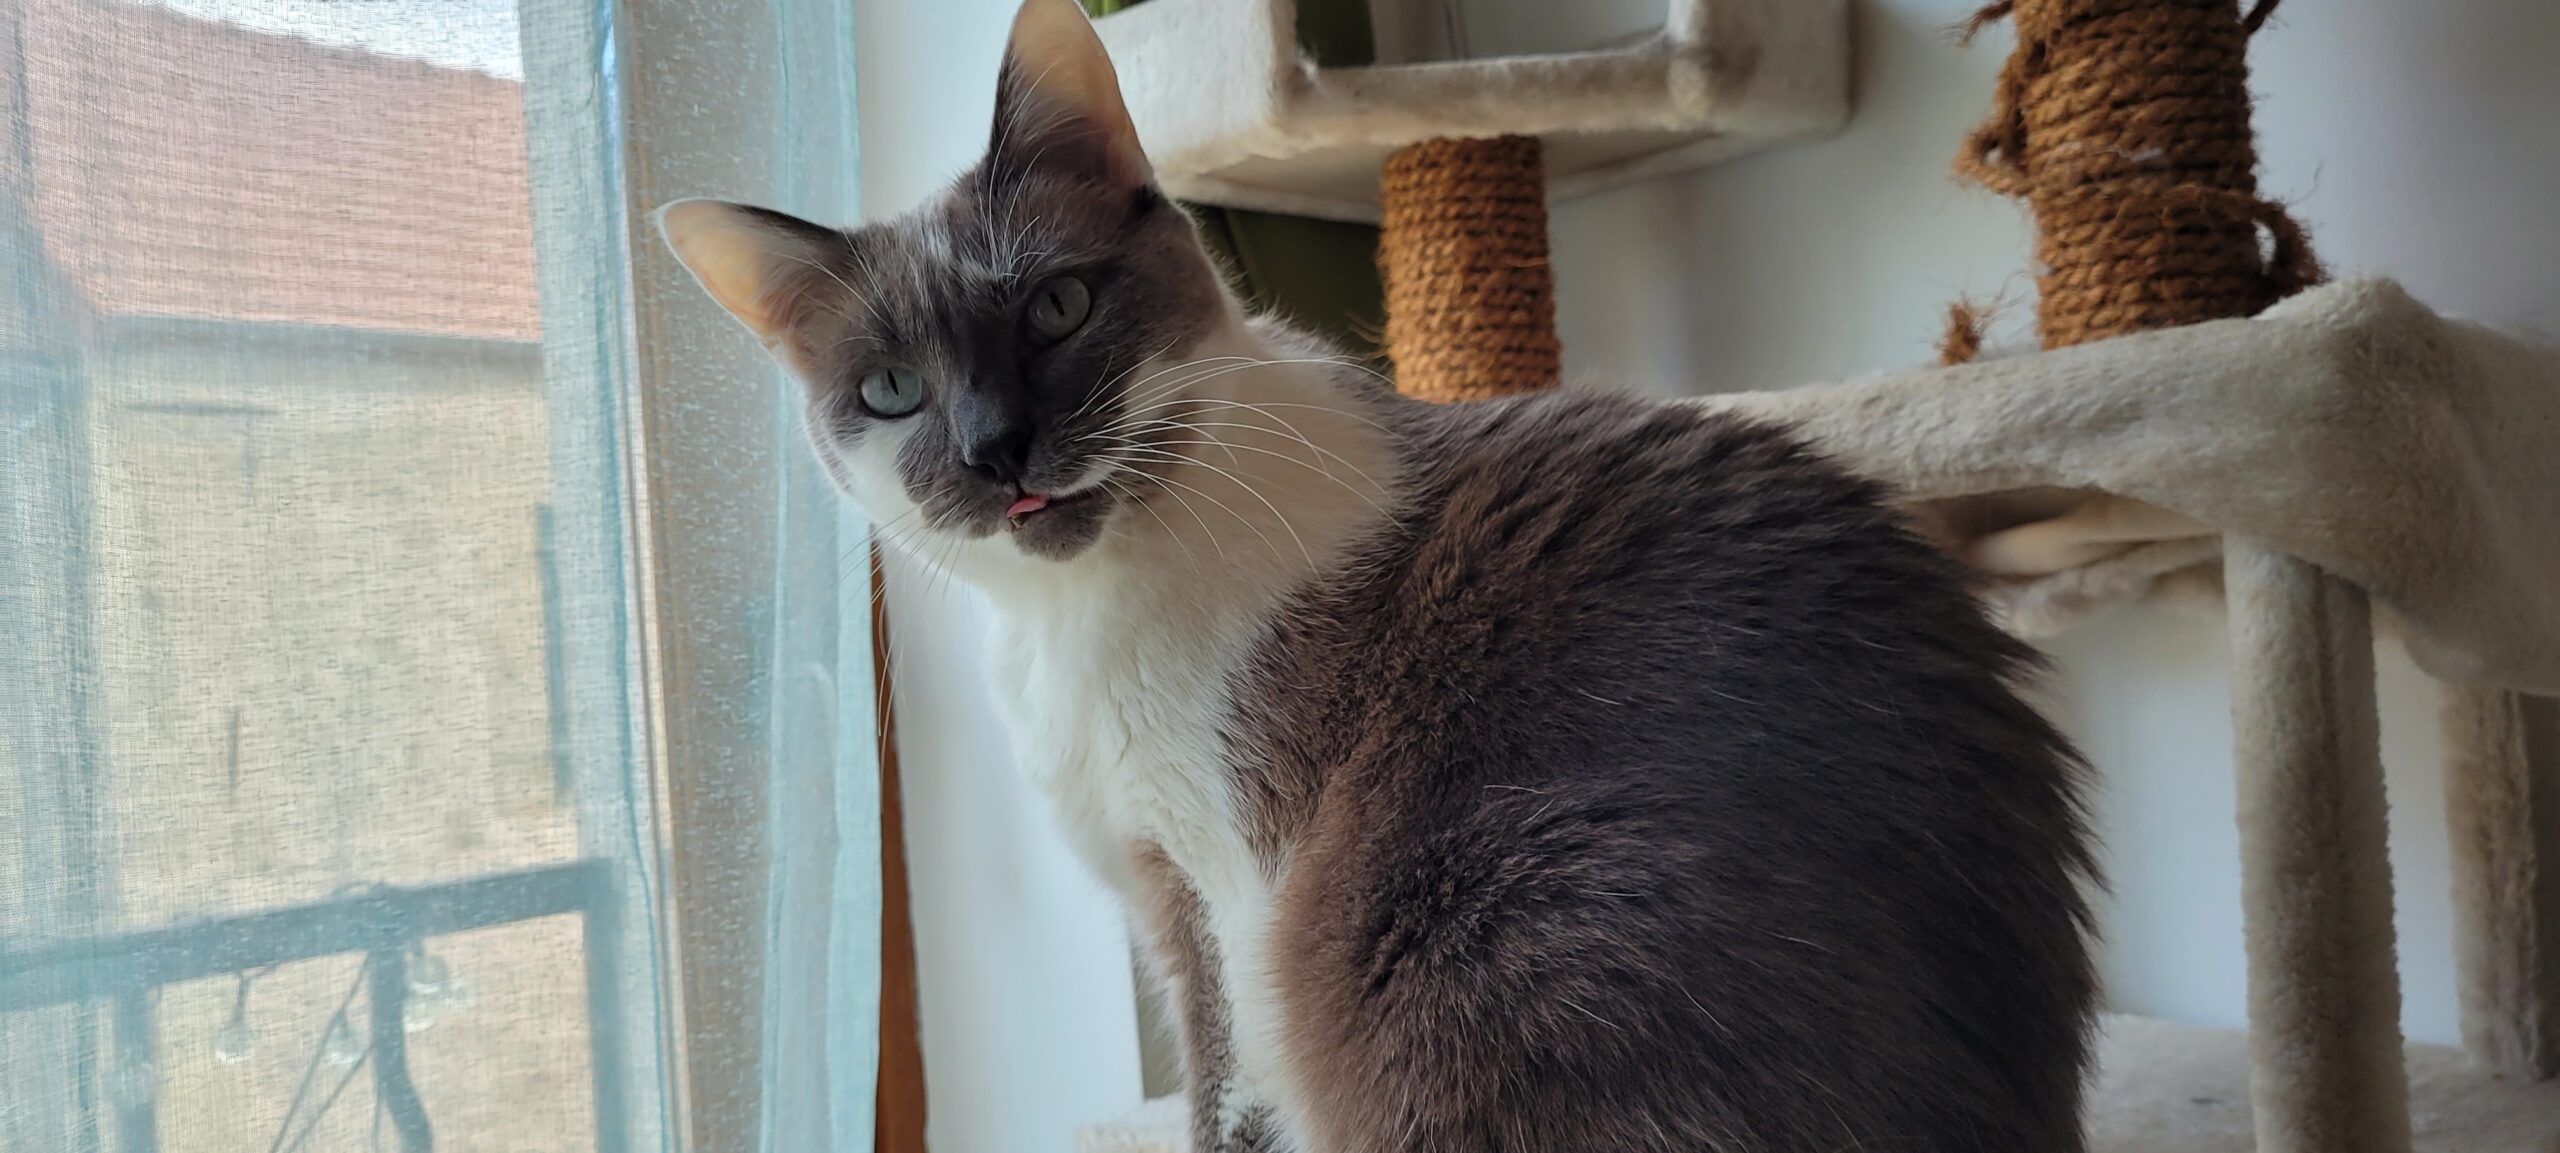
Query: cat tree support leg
{"x":2502,"y":770}
{"x":2324,"y":993}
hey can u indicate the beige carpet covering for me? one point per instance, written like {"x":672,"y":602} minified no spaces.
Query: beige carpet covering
{"x":2416,"y":456}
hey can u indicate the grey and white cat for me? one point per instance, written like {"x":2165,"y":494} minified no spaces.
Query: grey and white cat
{"x":1566,"y":773}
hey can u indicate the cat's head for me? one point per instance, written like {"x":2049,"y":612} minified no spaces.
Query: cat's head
{"x":985,"y":364}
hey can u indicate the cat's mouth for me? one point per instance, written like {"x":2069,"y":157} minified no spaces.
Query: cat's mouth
{"x":1056,"y":526}
{"x":1030,"y":506}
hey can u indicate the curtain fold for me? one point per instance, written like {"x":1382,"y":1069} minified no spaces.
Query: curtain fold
{"x":436,"y":707}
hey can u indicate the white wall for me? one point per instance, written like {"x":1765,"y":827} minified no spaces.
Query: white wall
{"x":1029,"y":1016}
{"x":2418,"y":140}
{"x":2421,"y":140}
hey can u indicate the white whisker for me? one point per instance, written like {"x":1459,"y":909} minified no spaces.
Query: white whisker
{"x":1311,"y":466}
{"x":1291,"y":431}
{"x":1126,"y":493}
{"x":1250,"y":491}
{"x":1215,"y":544}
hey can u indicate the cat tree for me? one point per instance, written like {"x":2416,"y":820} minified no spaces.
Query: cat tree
{"x":2200,"y":419}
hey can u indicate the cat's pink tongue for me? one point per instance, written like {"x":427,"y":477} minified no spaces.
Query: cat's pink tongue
{"x":1029,"y":503}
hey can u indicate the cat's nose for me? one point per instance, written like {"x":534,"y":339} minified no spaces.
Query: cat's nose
{"x":997,"y":445}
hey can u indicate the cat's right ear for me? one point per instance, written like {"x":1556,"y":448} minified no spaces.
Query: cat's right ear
{"x":756,"y":262}
{"x":1058,"y":100}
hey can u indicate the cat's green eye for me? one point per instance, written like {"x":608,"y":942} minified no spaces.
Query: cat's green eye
{"x":1060,"y":307}
{"x":892,"y":391}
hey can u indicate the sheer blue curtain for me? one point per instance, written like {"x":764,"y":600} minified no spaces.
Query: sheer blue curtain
{"x":435,"y":698}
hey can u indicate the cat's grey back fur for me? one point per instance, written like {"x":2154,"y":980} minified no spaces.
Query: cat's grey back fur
{"x":1649,"y":785}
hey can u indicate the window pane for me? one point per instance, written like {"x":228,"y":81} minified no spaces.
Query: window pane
{"x":309,"y":546}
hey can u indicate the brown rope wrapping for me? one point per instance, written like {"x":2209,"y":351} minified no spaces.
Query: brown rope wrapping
{"x":1462,"y":248}
{"x":2125,"y":125}
{"x":1966,"y":323}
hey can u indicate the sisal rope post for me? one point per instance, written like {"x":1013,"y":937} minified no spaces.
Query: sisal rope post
{"x":1462,"y":250}
{"x":2124,"y":124}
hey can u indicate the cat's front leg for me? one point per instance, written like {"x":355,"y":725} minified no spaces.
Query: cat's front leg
{"x":1228,"y":1114}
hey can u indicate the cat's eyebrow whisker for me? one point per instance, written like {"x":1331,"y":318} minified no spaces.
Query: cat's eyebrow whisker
{"x":856,"y":297}
{"x":1014,"y":204}
{"x":1004,"y":127}
{"x":851,"y":337}
{"x":878,"y":319}
{"x":870,"y":305}
{"x":1014,"y":271}
{"x":821,"y":267}
{"x":1022,"y":240}
{"x":1040,"y":129}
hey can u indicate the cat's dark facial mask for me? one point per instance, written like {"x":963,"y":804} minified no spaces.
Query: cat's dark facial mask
{"x":988,"y":362}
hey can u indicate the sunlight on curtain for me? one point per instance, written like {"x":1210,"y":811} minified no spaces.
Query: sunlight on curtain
{"x":346,"y":793}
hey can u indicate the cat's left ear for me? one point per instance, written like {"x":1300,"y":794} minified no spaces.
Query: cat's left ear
{"x":1058,"y":100}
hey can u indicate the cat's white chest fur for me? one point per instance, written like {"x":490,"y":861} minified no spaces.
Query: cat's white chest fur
{"x":1116,"y":673}
{"x":1117,"y":711}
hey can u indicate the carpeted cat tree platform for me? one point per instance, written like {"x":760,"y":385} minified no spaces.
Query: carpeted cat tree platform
{"x":2323,"y":463}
